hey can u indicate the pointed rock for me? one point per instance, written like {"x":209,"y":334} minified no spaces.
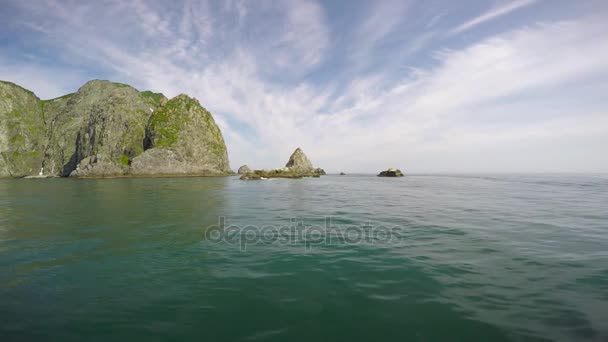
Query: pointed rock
{"x":299,"y":161}
{"x":244,"y":170}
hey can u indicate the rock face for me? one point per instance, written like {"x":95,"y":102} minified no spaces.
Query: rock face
{"x":103,"y":129}
{"x":97,"y":131}
{"x":298,"y":166}
{"x":22,"y":131}
{"x":244,"y":169}
{"x":299,"y":161}
{"x":182,"y":139}
{"x":391,"y":173}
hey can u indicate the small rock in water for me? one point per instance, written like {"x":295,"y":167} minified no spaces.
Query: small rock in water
{"x":392,"y":172}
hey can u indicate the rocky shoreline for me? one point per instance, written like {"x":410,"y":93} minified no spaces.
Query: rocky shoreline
{"x":112,"y":130}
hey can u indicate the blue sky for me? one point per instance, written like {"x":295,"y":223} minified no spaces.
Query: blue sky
{"x":426,"y":86}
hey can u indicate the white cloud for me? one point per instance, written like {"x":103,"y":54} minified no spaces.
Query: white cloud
{"x":305,"y":38}
{"x":493,"y":13}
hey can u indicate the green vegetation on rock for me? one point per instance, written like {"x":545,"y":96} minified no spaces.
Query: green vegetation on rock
{"x":298,"y":166}
{"x":185,"y":137}
{"x":22,"y":131}
{"x":101,"y":129}
{"x":156,"y":99}
{"x":391,"y":173}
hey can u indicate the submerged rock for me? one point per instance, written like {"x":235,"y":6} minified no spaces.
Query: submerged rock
{"x":244,"y":169}
{"x":391,"y":173}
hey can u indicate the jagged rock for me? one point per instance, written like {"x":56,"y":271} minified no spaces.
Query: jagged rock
{"x":188,"y":138}
{"x":299,"y":161}
{"x":100,"y":130}
{"x":244,"y":170}
{"x":22,"y":137}
{"x":113,"y":120}
{"x":391,"y":173}
{"x":161,"y":161}
{"x":98,"y":165}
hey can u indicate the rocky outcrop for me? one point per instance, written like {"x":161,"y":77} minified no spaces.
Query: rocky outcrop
{"x":391,"y":173}
{"x":244,"y":169}
{"x":97,"y":131}
{"x":298,"y":166}
{"x":342,"y":174}
{"x":99,"y":166}
{"x":182,"y":137}
{"x":107,"y":129}
{"x":299,"y":161}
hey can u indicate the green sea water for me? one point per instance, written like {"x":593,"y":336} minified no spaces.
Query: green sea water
{"x":339,"y":258}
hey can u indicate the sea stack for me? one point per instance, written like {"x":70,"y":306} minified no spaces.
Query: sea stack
{"x":391,"y":173}
{"x":244,"y":169}
{"x":299,"y":161}
{"x":298,"y":166}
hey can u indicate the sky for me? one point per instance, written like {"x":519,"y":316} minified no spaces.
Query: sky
{"x":425,"y":86}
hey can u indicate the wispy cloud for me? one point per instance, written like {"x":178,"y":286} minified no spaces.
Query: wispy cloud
{"x":493,"y":13}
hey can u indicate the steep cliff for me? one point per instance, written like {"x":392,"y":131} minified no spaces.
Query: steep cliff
{"x":103,"y":129}
{"x":182,"y":138}
{"x":97,"y":131}
{"x":22,"y":131}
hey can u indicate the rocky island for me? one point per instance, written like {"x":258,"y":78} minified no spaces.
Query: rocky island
{"x":298,"y":166}
{"x":107,"y":129}
{"x":391,"y":173}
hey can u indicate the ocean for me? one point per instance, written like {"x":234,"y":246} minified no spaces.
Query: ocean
{"x":504,"y":257}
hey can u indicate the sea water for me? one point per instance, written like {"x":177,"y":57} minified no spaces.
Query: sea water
{"x":337,"y":258}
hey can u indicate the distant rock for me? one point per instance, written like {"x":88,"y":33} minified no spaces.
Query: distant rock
{"x":244,"y":169}
{"x":342,"y":174}
{"x":298,"y":166}
{"x":391,"y":173}
{"x":299,"y":161}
